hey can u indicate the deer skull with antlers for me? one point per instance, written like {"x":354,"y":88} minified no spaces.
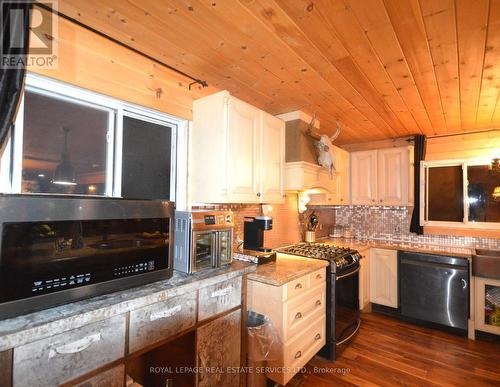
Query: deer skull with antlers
{"x":324,"y":146}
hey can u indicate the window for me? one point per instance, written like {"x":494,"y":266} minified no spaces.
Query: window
{"x":146,"y":165}
{"x":460,"y":194}
{"x":70,"y":141}
{"x":65,"y":146}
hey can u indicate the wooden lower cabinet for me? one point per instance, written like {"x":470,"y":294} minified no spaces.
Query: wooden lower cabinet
{"x":218,"y":348}
{"x":168,"y":340}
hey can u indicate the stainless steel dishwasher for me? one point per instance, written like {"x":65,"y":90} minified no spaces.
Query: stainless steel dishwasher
{"x":434,"y":288}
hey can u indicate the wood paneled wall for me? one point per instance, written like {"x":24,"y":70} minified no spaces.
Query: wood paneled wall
{"x":474,"y":145}
{"x":93,"y":62}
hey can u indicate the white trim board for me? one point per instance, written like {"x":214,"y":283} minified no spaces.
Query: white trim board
{"x":298,"y":115}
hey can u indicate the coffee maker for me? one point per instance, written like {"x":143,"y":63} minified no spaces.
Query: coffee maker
{"x":254,"y":227}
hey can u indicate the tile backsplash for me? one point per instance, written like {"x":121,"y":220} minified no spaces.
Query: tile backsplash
{"x":393,"y":224}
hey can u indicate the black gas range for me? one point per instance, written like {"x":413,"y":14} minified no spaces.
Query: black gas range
{"x":342,"y":292}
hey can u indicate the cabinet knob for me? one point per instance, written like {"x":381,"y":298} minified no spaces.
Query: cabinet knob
{"x":317,"y":337}
{"x":318,"y":302}
{"x":298,"y":354}
{"x":373,"y":200}
{"x":258,"y":194}
{"x":298,"y":316}
{"x":318,"y":276}
{"x":298,"y":286}
{"x":381,"y":200}
{"x":341,"y":199}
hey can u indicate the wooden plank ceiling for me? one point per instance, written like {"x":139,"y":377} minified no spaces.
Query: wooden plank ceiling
{"x":383,"y":68}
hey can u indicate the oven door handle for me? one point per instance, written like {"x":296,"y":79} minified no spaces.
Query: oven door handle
{"x":215,"y":249}
{"x":348,"y":274}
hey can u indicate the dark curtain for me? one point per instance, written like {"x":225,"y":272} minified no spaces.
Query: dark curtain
{"x":12,"y":79}
{"x":419,"y":155}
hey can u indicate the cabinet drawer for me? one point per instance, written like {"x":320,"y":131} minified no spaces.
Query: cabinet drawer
{"x":317,"y":277}
{"x":110,"y":378}
{"x":71,"y":354}
{"x":161,"y":320}
{"x":304,"y":347}
{"x":303,"y":310}
{"x":219,"y":298}
{"x":296,"y":287}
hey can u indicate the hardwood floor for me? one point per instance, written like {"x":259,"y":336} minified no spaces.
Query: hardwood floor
{"x":389,"y":352}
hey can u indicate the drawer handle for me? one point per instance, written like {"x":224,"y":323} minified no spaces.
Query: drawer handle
{"x":221,"y":292}
{"x":319,"y":276}
{"x":298,"y":354}
{"x":317,"y":337}
{"x":298,"y":286}
{"x":76,"y":346}
{"x":318,"y":302}
{"x":165,"y":313}
{"x":298,"y":316}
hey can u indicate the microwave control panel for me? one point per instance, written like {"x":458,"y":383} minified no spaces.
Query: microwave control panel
{"x":61,"y":283}
{"x":218,"y":219}
{"x":136,"y":268}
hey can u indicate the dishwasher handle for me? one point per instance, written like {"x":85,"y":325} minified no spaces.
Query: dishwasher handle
{"x":416,"y":262}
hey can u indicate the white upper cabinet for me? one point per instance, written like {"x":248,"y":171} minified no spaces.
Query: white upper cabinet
{"x":393,"y":176}
{"x":364,"y":177}
{"x":272,"y":158}
{"x":381,"y":177}
{"x":236,"y":152}
{"x":243,"y":152}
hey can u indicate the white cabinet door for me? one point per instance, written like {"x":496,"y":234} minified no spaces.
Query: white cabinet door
{"x":272,"y":159}
{"x":342,"y":192}
{"x":242,"y":152}
{"x":384,"y":277}
{"x":364,"y":177}
{"x":393,"y":176}
{"x":364,"y":280}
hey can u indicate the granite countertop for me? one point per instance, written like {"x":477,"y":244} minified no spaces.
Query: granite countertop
{"x":286,"y":268}
{"x":364,"y":244}
{"x":38,"y":325}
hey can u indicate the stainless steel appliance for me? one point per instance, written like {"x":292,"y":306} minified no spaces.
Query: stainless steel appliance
{"x":253,"y":230}
{"x":434,"y":288}
{"x":203,"y":240}
{"x":60,"y":249}
{"x":342,"y":292}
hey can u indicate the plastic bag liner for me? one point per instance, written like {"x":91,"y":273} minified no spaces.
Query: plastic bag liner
{"x":261,"y":337}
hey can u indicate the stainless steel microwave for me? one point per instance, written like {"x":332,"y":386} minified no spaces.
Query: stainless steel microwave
{"x":54,"y":250}
{"x":202,"y":240}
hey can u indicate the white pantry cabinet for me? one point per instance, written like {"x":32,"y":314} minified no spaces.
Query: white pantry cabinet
{"x":237,"y":152}
{"x":383,"y":280}
{"x":381,"y":177}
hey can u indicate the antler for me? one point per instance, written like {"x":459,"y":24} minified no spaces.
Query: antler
{"x":337,"y":132}
{"x":309,"y":131}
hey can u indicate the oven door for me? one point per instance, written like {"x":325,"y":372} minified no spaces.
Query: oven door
{"x":347,"y":315}
{"x":224,"y":247}
{"x":204,"y":254}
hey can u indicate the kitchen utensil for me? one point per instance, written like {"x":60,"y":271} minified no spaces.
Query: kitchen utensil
{"x":313,"y":222}
{"x":310,"y":236}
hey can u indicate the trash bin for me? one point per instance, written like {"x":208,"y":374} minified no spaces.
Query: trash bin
{"x":261,"y":336}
